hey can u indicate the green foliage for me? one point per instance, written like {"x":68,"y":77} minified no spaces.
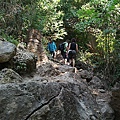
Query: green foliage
{"x":10,"y":39}
{"x":101,"y":19}
{"x":68,"y":18}
{"x":20,"y":67}
{"x":51,"y":18}
{"x":84,"y":56}
{"x":92,"y":59}
{"x":17,"y":17}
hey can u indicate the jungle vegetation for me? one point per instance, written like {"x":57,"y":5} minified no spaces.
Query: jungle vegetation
{"x":94,"y":23}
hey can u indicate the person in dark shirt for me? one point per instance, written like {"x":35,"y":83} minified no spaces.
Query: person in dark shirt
{"x":64,"y":51}
{"x":72,"y":50}
{"x":63,"y":47}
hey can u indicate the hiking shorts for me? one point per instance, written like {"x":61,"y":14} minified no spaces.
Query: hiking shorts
{"x":52,"y":53}
{"x":64,"y":54}
{"x":72,"y":54}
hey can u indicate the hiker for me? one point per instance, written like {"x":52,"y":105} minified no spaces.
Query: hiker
{"x":72,"y":50}
{"x":63,"y":47}
{"x":52,"y":48}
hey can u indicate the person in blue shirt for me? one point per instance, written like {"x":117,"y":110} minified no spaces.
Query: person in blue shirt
{"x":52,"y":48}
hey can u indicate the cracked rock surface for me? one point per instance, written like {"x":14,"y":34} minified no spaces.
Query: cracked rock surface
{"x":54,"y":92}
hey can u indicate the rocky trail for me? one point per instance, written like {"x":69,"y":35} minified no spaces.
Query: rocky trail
{"x":53,"y":91}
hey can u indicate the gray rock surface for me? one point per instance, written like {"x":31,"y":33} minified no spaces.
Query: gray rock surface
{"x":51,"y":95}
{"x":52,"y":92}
{"x":9,"y":76}
{"x":24,"y":61}
{"x":7,"y":51}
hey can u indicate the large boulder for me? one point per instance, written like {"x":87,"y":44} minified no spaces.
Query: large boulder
{"x":24,"y":62}
{"x":7,"y":51}
{"x":115,"y":100}
{"x":9,"y":76}
{"x":63,"y":96}
{"x":52,"y":101}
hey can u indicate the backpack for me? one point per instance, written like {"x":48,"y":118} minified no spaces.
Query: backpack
{"x":73,"y":46}
{"x":61,"y":47}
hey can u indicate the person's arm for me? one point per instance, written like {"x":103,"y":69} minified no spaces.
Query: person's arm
{"x":69,"y":46}
{"x":77,"y":47}
{"x":66,"y":46}
{"x":55,"y":47}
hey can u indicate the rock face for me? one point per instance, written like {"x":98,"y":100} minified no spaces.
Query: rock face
{"x":7,"y":51}
{"x":115,"y":100}
{"x":51,"y":101}
{"x":56,"y":94}
{"x":24,"y":61}
{"x":9,"y":76}
{"x":35,"y":45}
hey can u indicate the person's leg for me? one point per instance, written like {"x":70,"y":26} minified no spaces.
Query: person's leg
{"x":54,"y":54}
{"x":70,"y":57}
{"x":65,"y":61}
{"x":73,"y":58}
{"x":62,"y":53}
{"x":73,"y":62}
{"x":51,"y":53}
{"x":70,"y":62}
{"x":65,"y":57}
